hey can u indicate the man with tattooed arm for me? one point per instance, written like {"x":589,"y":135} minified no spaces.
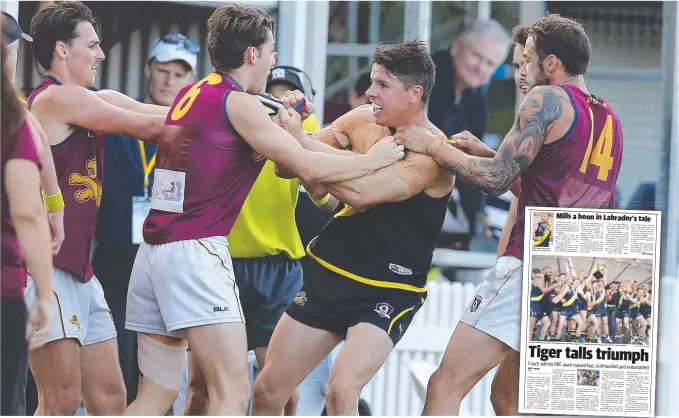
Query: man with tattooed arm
{"x":566,"y":147}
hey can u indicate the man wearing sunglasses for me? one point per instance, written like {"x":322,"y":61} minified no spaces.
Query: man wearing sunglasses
{"x":129,"y":173}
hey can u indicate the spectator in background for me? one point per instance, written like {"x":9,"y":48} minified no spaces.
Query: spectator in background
{"x":357,"y":96}
{"x":128,"y":179}
{"x":459,"y":101}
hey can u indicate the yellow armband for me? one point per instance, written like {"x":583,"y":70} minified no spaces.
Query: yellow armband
{"x":320,"y":203}
{"x":53,"y":203}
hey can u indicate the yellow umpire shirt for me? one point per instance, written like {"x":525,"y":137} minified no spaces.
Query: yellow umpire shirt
{"x":266,"y":224}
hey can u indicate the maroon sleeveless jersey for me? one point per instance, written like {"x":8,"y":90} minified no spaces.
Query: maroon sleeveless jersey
{"x":577,"y":171}
{"x":204,"y":170}
{"x":79,"y":163}
{"x":13,"y":273}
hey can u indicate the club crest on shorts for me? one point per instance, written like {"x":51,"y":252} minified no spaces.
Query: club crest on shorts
{"x":384,"y":310}
{"x":256,"y":157}
{"x":300,"y":299}
{"x":74,"y":321}
{"x":475,"y":304}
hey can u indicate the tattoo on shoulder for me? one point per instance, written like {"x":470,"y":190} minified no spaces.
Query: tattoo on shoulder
{"x":539,"y":110}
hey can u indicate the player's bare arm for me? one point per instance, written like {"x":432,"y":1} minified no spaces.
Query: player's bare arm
{"x":330,"y":140}
{"x":465,"y":141}
{"x":251,"y":121}
{"x":540,"y":110}
{"x":318,"y":194}
{"x":60,"y":108}
{"x":321,"y":141}
{"x":335,"y":139}
{"x":48,"y":175}
{"x":398,"y":182}
{"x":559,"y":298}
{"x":119,"y":99}
{"x":540,"y":283}
{"x":48,"y":181}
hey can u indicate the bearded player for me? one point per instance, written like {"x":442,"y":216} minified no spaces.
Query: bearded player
{"x":566,"y":146}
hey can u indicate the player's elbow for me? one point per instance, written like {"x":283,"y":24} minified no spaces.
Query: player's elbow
{"x":27,"y":213}
{"x":283,"y":172}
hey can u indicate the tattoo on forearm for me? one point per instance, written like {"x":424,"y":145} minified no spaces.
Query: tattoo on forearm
{"x":542,"y":107}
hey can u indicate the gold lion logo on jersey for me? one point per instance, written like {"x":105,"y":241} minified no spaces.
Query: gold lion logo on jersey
{"x":92,"y":187}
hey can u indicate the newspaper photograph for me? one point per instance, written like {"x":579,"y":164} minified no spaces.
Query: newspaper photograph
{"x":588,"y":335}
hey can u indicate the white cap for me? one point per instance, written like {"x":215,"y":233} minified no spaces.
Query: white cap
{"x":167,"y":52}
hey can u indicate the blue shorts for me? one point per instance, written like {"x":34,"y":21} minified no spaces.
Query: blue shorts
{"x":569,"y":312}
{"x":537,"y":309}
{"x":581,"y":305}
{"x":623,"y":313}
{"x":266,"y":286}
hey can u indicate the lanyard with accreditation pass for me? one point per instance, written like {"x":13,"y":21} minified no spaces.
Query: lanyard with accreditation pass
{"x":141,"y":205}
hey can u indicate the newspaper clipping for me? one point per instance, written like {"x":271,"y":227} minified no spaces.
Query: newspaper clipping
{"x":588,"y":336}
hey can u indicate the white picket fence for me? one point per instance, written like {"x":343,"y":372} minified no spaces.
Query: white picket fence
{"x":393,"y":390}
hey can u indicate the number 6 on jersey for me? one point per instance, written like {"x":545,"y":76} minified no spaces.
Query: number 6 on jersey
{"x":185,"y":103}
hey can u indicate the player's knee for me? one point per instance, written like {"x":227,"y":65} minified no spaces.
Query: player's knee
{"x":343,"y":393}
{"x":107,"y":397}
{"x":64,"y":400}
{"x":239,"y":390}
{"x":267,"y":394}
{"x":196,"y":398}
{"x":443,"y":384}
{"x":112,"y":397}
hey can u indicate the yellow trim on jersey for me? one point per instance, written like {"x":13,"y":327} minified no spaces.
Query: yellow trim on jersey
{"x":266,"y":223}
{"x":570,"y":302}
{"x":620,"y":299}
{"x":635,"y":305}
{"x":369,"y":282}
{"x":543,"y":238}
{"x":397,"y":317}
{"x":537,"y":298}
